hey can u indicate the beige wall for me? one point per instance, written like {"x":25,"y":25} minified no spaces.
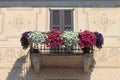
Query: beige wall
{"x":14,"y":21}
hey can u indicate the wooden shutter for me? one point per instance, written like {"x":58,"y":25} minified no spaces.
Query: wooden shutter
{"x":68,"y":20}
{"x":55,"y":19}
{"x":61,"y":19}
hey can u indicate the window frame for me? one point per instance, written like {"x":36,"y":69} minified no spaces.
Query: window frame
{"x":62,"y":20}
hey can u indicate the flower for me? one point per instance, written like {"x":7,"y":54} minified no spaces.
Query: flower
{"x":54,"y":39}
{"x":71,"y":38}
{"x":87,"y":39}
{"x":37,"y":37}
{"x":24,"y":40}
{"x":99,"y":40}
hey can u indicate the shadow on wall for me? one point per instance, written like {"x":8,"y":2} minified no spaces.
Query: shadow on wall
{"x":24,"y":73}
{"x":16,"y":71}
{"x":60,"y":3}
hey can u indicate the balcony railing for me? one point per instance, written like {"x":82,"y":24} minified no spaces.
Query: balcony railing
{"x":43,"y":49}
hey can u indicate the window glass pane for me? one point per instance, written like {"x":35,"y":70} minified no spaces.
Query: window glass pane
{"x":56,"y":17}
{"x":56,"y":28}
{"x":67,"y":28}
{"x":67,"y":17}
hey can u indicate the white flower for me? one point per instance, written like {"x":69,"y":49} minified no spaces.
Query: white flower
{"x":71,"y":38}
{"x":37,"y":37}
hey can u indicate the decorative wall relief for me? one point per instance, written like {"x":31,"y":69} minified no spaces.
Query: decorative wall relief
{"x":104,"y":20}
{"x":10,"y":55}
{"x":20,"y":20}
{"x":1,"y":22}
{"x":108,"y":55}
{"x":1,"y":55}
{"x":102,"y":55}
{"x":114,"y":55}
{"x":19,"y":23}
{"x":104,"y":23}
{"x":15,"y":21}
{"x":1,"y":25}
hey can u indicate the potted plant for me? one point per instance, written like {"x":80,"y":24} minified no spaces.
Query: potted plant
{"x":36,"y":37}
{"x":71,"y":39}
{"x":86,"y":42}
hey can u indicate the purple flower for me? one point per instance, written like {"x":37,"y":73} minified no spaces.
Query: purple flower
{"x":26,"y":33}
{"x":99,"y":39}
{"x":24,"y":39}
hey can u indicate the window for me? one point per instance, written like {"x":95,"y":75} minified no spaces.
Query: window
{"x":61,"y":19}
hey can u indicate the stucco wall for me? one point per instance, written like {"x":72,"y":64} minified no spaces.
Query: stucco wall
{"x":14,"y":21}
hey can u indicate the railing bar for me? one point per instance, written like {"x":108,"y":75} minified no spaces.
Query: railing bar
{"x":59,"y":50}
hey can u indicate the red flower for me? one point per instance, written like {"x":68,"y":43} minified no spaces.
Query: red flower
{"x":87,"y":39}
{"x":54,"y":39}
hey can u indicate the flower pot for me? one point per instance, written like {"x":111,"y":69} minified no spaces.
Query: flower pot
{"x":87,"y":62}
{"x":36,"y":64}
{"x":86,"y":50}
{"x":35,"y":60}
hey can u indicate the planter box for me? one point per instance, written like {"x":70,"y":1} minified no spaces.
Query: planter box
{"x":60,"y":61}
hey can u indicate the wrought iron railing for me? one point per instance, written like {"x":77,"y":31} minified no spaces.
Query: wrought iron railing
{"x":62,"y":50}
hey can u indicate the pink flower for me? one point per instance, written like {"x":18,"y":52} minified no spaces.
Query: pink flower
{"x":54,"y":39}
{"x":87,"y":39}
